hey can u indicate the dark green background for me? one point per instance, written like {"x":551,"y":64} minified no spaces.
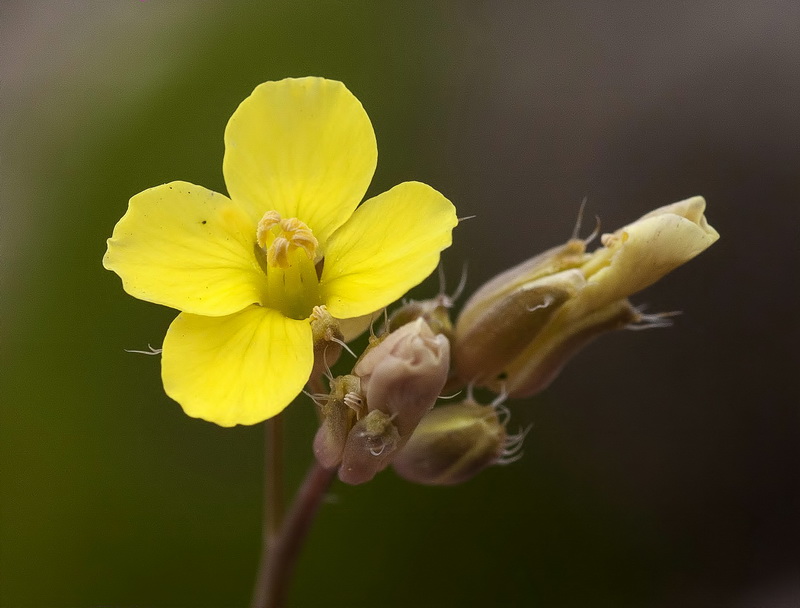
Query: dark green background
{"x":662,"y":468}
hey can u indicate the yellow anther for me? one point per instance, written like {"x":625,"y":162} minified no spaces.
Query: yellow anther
{"x":280,"y":237}
{"x":265,"y":225}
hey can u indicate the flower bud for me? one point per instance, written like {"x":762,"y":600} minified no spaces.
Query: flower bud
{"x":519,"y":329}
{"x":452,"y":444}
{"x":542,"y":361}
{"x":403,"y":374}
{"x":370,"y":445}
{"x":328,"y":339}
{"x":435,"y":312}
{"x":339,"y":414}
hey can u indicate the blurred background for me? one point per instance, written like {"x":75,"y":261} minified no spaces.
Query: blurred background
{"x":663,"y":466}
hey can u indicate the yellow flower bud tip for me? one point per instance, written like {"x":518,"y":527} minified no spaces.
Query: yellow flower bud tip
{"x":453,"y":443}
{"x":370,"y":445}
{"x":403,"y":375}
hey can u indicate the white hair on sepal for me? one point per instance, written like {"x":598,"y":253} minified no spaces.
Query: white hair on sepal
{"x":653,"y":320}
{"x":151,"y":351}
{"x":512,"y":446}
{"x":317,"y":398}
{"x":448,"y":301}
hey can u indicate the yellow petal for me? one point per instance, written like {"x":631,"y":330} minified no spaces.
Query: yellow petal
{"x":186,"y":247}
{"x":355,"y":326}
{"x":239,"y":369}
{"x":302,"y":147}
{"x":391,"y":244}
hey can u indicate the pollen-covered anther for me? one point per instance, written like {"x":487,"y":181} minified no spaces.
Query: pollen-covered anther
{"x":279,"y":238}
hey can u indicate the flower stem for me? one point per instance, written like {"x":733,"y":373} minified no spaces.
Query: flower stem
{"x":274,"y":504}
{"x":273,"y":501}
{"x":283,"y":538}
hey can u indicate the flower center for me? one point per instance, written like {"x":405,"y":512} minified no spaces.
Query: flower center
{"x":280,"y":237}
{"x":289,"y":248}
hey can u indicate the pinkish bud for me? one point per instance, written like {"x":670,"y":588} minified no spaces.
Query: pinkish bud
{"x":370,"y":445}
{"x":403,"y":374}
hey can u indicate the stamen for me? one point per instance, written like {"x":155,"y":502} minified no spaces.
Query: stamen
{"x":270,"y":219}
{"x":280,"y":237}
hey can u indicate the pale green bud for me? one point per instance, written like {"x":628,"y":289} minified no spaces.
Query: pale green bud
{"x":519,"y":329}
{"x":453,"y":443}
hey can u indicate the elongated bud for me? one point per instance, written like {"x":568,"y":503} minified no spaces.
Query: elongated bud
{"x":545,"y":357}
{"x":404,"y":373}
{"x":339,"y":413}
{"x":508,"y":324}
{"x":519,"y":329}
{"x":453,"y":443}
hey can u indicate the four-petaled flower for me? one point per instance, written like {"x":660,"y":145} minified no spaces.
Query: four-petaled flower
{"x":248,"y":271}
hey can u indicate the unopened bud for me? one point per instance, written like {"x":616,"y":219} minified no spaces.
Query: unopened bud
{"x":370,"y":445}
{"x":453,"y":443}
{"x":507,"y":324}
{"x":403,"y":374}
{"x":339,"y":413}
{"x":435,"y":312}
{"x":519,"y":329}
{"x":553,"y":348}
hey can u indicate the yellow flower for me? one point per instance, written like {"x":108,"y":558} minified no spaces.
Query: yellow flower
{"x":248,"y":270}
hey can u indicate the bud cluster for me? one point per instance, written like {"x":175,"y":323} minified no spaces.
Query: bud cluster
{"x":518,"y":330}
{"x":513,"y":336}
{"x":372,"y":413}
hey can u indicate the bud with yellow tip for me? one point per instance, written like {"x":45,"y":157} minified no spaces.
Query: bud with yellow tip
{"x":519,"y":329}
